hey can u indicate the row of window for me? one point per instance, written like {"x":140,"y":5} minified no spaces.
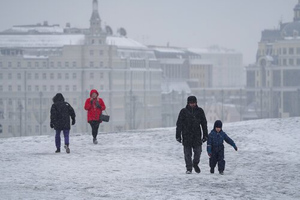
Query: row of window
{"x":46,"y":64}
{"x":44,"y":88}
{"x":45,"y":76}
{"x":290,"y":62}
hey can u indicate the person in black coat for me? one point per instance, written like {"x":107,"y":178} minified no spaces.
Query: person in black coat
{"x":188,"y":132}
{"x":60,"y":114}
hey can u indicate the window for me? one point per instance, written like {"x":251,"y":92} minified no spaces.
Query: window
{"x":44,"y":76}
{"x":58,"y":64}
{"x":51,"y":64}
{"x":44,"y":88}
{"x":91,"y":64}
{"x":36,"y":76}
{"x":51,"y":76}
{"x":66,"y":64}
{"x":0,"y":64}
{"x":291,"y":51}
{"x":44,"y":64}
{"x":298,"y":50}
{"x":29,"y":88}
{"x":19,"y":76}
{"x":19,"y":64}
{"x":284,"y":51}
{"x":291,"y":61}
{"x":91,"y":52}
{"x":74,"y":88}
{"x":284,"y":62}
{"x":28,"y":64}
{"x":91,"y":75}
{"x":59,"y":88}
{"x":1,"y":76}
{"x":19,"y":88}
{"x":9,"y":76}
{"x":67,"y":88}
{"x":74,"y":64}
{"x":101,"y":64}
{"x":36,"y":64}
{"x":1,"y":88}
{"x":36,"y":88}
{"x":59,"y":76}
{"x":101,"y":52}
{"x":66,"y":76}
{"x":74,"y":75}
{"x":29,"y":76}
{"x":9,"y":88}
{"x":52,"y":88}
{"x":9,"y":64}
{"x":101,"y":75}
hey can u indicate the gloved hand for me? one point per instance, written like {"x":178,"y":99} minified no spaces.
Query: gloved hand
{"x":209,"y":154}
{"x":235,"y":148}
{"x":204,"y":139}
{"x":178,"y":140}
{"x":51,"y":125}
{"x":92,"y":100}
{"x":73,"y":121}
{"x":97,"y":104}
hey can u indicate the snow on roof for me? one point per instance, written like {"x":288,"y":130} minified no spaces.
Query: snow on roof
{"x":212,"y":50}
{"x":178,"y":86}
{"x":35,"y":29}
{"x":124,"y":42}
{"x":39,"y":41}
{"x":168,"y":50}
{"x":59,"y":40}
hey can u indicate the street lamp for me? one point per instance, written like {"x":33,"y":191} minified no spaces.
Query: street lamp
{"x":20,"y":107}
{"x":40,"y":120}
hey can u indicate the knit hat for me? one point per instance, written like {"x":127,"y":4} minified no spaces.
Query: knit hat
{"x":191,"y":99}
{"x":218,"y":124}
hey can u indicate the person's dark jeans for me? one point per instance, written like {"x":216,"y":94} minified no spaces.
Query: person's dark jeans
{"x":188,"y":156}
{"x":95,"y":127}
{"x":217,"y":157}
{"x":58,"y":140}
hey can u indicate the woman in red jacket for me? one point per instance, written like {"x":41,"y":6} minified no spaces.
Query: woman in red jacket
{"x":94,"y":106}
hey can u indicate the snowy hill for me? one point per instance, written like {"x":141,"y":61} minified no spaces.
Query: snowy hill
{"x":149,"y":165}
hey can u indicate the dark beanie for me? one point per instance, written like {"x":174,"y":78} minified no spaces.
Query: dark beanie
{"x":218,"y":124}
{"x":191,"y":99}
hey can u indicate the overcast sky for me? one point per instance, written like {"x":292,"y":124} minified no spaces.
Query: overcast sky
{"x":234,"y":24}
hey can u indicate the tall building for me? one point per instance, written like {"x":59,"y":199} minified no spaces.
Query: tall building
{"x":273,"y":82}
{"x":38,"y":61}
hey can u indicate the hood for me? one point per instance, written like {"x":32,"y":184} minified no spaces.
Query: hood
{"x":58,"y":97}
{"x":94,"y":91}
{"x":218,"y":124}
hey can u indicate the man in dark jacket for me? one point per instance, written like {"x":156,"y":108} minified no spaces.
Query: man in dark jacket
{"x":60,"y":114}
{"x":188,"y":131}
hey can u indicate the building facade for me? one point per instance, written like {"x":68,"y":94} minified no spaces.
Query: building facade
{"x":39,"y":61}
{"x":273,"y":85}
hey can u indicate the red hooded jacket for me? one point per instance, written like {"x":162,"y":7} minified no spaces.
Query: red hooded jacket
{"x":93,"y":112}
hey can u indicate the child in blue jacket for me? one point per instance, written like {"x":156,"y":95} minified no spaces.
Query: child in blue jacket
{"x":215,"y":147}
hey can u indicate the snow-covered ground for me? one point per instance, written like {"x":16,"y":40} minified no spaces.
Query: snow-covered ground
{"x":149,"y":165}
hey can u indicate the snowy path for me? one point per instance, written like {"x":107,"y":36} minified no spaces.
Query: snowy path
{"x":150,"y":165}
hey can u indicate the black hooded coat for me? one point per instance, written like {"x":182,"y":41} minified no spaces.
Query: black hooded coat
{"x":60,"y":113}
{"x":188,"y":126}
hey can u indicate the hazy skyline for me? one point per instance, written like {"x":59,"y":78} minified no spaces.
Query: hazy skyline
{"x":233,"y":24}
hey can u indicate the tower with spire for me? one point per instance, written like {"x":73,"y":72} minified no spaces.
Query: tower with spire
{"x":95,"y":35}
{"x":95,"y":21}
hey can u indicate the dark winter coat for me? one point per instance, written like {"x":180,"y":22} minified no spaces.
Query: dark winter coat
{"x":60,"y":113}
{"x":215,"y":141}
{"x":94,"y":111}
{"x":188,"y":126}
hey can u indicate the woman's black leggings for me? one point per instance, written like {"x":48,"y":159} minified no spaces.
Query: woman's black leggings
{"x":95,"y":127}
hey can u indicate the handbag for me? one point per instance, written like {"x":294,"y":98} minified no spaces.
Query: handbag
{"x":104,"y":118}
